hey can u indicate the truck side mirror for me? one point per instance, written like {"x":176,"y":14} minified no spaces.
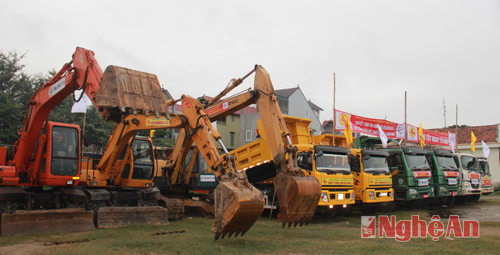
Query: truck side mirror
{"x":318,"y":154}
{"x":394,"y":171}
{"x":355,"y":166}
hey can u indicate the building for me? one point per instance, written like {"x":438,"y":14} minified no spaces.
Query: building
{"x":293,"y":102}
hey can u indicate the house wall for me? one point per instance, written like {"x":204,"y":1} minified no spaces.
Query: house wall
{"x":493,"y":159}
{"x":297,"y":105}
{"x":232,"y":124}
{"x":248,"y":122}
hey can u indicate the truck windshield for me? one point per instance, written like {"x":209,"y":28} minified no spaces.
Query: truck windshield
{"x":446,"y":163}
{"x":417,"y":162}
{"x":469,"y":163}
{"x":375,"y":164}
{"x":333,"y":163}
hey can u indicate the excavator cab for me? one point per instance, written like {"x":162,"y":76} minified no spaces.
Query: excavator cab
{"x":60,"y":154}
{"x":141,"y":163}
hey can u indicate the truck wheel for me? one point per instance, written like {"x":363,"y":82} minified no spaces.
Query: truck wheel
{"x":95,"y":205}
{"x":386,"y":206}
{"x":346,"y":212}
{"x":369,"y":210}
{"x":330,"y":213}
{"x":151,"y":202}
{"x":13,"y":206}
{"x":449,"y":201}
{"x":460,"y":200}
{"x":474,"y":198}
{"x":422,"y":203}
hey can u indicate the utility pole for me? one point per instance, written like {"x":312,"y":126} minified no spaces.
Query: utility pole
{"x":444,"y":114}
{"x":333,"y":127}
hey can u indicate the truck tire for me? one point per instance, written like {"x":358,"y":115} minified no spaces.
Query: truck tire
{"x":474,"y":198}
{"x":346,"y":212}
{"x":13,"y":206}
{"x":330,"y":213}
{"x":460,"y":200}
{"x":386,"y":206}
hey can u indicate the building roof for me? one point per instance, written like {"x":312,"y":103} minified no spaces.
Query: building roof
{"x":487,"y":133}
{"x":314,"y":106}
{"x":286,"y":92}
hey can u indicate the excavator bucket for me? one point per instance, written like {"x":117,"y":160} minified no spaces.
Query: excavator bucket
{"x":237,"y":207}
{"x":298,"y":197}
{"x":47,"y":221}
{"x":123,"y":90}
{"x":113,"y":217}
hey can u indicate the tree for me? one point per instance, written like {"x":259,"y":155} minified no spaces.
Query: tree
{"x":16,"y":89}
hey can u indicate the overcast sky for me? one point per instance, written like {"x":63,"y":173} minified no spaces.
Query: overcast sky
{"x":377,"y":49}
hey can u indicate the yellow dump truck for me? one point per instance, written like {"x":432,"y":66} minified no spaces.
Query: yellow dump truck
{"x":371,"y":174}
{"x":328,"y":164}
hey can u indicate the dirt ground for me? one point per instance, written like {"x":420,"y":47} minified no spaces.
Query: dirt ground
{"x":27,"y":248}
{"x":489,"y":211}
{"x":474,"y":211}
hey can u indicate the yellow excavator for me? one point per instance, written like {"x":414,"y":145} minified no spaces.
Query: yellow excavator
{"x":297,"y":194}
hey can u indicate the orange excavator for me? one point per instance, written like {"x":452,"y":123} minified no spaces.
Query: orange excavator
{"x":43,"y":167}
{"x":134,"y":101}
{"x":297,"y":194}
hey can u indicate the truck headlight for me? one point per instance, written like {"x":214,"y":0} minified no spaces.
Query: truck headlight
{"x":372,"y":195}
{"x":324,"y":197}
{"x":413,"y":191}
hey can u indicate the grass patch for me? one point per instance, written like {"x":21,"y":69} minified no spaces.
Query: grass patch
{"x":340,"y":235}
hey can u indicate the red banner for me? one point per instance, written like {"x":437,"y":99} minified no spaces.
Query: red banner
{"x":391,"y":129}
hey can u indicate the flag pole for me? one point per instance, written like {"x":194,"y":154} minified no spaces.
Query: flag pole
{"x":333,"y":130}
{"x":84,"y":117}
{"x":456,"y":130}
{"x":406,"y":125}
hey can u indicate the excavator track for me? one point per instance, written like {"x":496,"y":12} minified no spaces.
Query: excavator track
{"x":238,"y":205}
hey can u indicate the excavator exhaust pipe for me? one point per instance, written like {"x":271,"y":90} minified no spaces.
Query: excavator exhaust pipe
{"x":238,"y":205}
{"x":298,"y":197}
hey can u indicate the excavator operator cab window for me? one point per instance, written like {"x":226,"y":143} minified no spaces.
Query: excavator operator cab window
{"x":64,"y":151}
{"x":143,"y":160}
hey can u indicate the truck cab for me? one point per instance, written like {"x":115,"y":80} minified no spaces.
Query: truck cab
{"x":413,"y":182}
{"x":444,"y":176}
{"x":470,"y":178}
{"x":330,"y":165}
{"x":372,"y":180}
{"x":484,"y":169}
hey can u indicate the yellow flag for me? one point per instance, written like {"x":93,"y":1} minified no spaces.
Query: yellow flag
{"x":472,"y":141}
{"x":151,"y":133}
{"x":347,"y":131}
{"x":421,"y":134}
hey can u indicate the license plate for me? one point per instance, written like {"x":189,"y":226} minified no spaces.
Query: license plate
{"x":452,"y":181}
{"x":341,"y":196}
{"x":423,"y":182}
{"x":383,"y":194}
{"x":474,"y":181}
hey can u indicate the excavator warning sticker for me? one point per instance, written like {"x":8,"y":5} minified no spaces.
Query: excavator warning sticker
{"x":336,"y":181}
{"x":383,"y":181}
{"x":158,"y":122}
{"x":58,"y":86}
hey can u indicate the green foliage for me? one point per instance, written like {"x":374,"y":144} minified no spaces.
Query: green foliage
{"x":16,"y":89}
{"x":164,"y":137}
